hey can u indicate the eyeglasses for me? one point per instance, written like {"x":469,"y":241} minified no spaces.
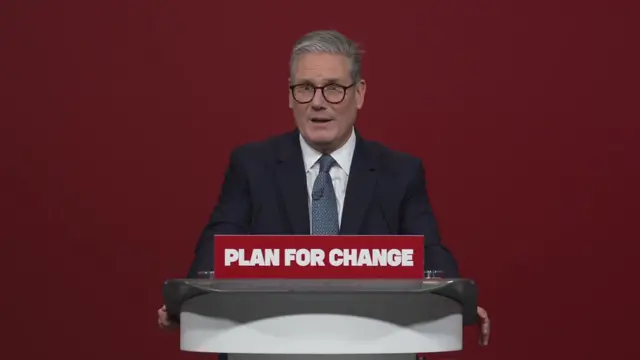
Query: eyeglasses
{"x":333,"y":93}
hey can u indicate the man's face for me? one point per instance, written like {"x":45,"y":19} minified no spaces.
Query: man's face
{"x":325,"y":123}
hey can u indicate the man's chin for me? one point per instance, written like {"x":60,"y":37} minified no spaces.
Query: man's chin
{"x":319,"y":136}
{"x":319,"y":142}
{"x":322,"y":145}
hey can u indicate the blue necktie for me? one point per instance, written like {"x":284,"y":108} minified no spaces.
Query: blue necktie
{"x":324,"y":206}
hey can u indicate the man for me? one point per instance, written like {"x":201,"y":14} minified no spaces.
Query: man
{"x":324,"y":178}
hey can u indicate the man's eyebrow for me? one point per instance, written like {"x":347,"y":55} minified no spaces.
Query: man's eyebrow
{"x":326,"y":81}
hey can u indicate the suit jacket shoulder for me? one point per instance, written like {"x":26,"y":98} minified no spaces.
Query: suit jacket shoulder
{"x":259,"y":154}
{"x":393,"y":161}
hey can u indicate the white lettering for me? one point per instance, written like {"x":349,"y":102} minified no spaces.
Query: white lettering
{"x":335,"y":257}
{"x":317,"y":257}
{"x":303,"y":257}
{"x":258,"y":257}
{"x":394,"y":257}
{"x":272,"y":257}
{"x":407,"y":257}
{"x":230,"y":256}
{"x":374,"y":257}
{"x":349,"y":257}
{"x":289,"y":256}
{"x":364,"y":258}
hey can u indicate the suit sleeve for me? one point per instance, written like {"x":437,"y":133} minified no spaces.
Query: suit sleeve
{"x":231,"y":215}
{"x":417,"y":218}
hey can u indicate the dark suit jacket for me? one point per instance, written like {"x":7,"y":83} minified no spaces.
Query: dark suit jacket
{"x":265,"y":192}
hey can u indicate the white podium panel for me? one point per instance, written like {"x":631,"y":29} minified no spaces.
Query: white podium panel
{"x":325,"y":333}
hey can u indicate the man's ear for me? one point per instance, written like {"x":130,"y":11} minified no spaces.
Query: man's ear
{"x":361,"y":90}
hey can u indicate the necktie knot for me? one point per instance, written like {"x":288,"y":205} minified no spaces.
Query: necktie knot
{"x":326,"y":163}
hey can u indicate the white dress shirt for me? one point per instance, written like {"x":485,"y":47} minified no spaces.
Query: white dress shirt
{"x":339,"y":173}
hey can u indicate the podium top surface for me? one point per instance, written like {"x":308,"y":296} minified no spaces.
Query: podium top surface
{"x":463,"y":291}
{"x":317,"y":285}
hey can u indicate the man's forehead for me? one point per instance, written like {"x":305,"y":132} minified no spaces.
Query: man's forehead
{"x":321,"y":68}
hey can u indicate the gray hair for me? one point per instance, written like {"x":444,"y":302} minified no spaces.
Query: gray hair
{"x":332,"y":42}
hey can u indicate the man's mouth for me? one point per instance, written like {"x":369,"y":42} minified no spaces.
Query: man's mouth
{"x":320,"y":120}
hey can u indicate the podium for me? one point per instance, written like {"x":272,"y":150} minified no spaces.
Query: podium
{"x":337,"y":319}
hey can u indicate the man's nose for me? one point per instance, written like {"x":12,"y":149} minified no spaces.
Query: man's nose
{"x":318,"y":99}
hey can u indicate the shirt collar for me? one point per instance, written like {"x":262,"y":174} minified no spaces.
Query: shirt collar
{"x":342,"y":156}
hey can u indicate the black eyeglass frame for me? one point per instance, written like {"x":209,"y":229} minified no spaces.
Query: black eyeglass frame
{"x":321,"y":88}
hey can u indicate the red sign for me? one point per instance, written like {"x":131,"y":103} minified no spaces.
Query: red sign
{"x":319,"y":257}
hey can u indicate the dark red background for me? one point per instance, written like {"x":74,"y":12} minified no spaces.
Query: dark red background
{"x":324,"y":243}
{"x":118,"y":117}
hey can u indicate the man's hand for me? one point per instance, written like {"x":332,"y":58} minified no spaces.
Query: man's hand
{"x":485,"y":327}
{"x":163,"y":320}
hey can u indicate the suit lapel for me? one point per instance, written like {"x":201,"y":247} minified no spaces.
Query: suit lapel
{"x":292,"y":183}
{"x":362,"y":181}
